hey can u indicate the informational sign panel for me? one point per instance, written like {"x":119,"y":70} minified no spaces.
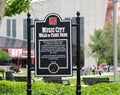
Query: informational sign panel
{"x":53,"y":46}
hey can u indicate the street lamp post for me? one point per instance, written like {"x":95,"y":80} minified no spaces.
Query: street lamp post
{"x":115,"y":40}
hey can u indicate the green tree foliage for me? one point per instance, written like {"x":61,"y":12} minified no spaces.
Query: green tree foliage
{"x":4,"y":56}
{"x":102,"y":44}
{"x":14,"y":7}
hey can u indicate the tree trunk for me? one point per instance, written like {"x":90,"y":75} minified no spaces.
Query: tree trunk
{"x":2,"y":8}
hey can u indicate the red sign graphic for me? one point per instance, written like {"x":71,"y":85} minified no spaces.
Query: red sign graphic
{"x":52,"y":21}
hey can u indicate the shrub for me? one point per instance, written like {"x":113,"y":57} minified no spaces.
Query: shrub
{"x":102,"y":89}
{"x":38,"y":88}
{"x":12,"y":88}
{"x":1,"y":70}
{"x":52,"y":89}
{"x":41,"y":88}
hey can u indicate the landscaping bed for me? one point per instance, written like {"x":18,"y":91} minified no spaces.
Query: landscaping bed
{"x":41,"y":88}
{"x":38,"y":88}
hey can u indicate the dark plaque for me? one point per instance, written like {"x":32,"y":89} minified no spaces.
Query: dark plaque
{"x":53,"y":46}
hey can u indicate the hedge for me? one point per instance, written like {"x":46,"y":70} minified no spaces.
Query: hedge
{"x":41,"y":88}
{"x":102,"y":89}
{"x":12,"y":88}
{"x":38,"y":88}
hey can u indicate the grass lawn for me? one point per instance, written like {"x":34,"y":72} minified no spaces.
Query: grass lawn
{"x":71,"y":79}
{"x":39,"y":83}
{"x":111,"y":77}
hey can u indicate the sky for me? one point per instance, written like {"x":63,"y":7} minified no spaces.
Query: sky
{"x":36,"y":0}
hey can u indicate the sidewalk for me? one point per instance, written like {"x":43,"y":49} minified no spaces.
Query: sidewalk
{"x":97,"y":75}
{"x":103,"y":74}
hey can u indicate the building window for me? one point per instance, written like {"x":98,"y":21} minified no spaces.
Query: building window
{"x":8,"y":27}
{"x":74,"y":41}
{"x":24,"y":44}
{"x":32,"y":32}
{"x":14,"y":27}
{"x":7,"y":42}
{"x":24,"y":29}
{"x":12,"y":44}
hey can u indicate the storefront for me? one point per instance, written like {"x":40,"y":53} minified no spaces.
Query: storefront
{"x":19,"y":55}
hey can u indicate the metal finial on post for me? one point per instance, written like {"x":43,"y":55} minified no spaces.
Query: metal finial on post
{"x":78,"y":13}
{"x":28,"y":14}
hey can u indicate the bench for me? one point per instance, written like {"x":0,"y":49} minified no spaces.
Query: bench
{"x":95,"y":80}
{"x":56,"y":79}
{"x":2,"y":72}
{"x":20,"y":78}
{"x":1,"y":78}
{"x":11,"y":77}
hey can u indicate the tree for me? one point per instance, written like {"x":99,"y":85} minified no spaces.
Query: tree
{"x":4,"y":56}
{"x":13,"y":7}
{"x":97,"y":44}
{"x":102,"y":44}
{"x":108,"y":39}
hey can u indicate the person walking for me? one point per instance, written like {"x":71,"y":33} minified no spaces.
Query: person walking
{"x":93,"y":70}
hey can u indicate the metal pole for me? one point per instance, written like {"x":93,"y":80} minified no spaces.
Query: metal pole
{"x":29,"y":90}
{"x":78,"y":89}
{"x":115,"y":40}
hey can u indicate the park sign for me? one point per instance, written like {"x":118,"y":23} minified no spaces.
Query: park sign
{"x":53,"y":53}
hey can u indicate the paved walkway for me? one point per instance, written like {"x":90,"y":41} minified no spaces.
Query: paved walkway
{"x":103,"y":74}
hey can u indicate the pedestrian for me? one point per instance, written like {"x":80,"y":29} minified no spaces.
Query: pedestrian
{"x":93,"y":70}
{"x":100,"y":70}
{"x":109,"y":68}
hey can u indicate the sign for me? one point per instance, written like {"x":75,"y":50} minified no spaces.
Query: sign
{"x":53,"y":46}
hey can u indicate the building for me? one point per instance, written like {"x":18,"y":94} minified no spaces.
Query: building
{"x":13,"y":33}
{"x":109,"y":13}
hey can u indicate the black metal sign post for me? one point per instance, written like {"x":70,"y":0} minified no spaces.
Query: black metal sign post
{"x":53,"y":48}
{"x":78,"y":86}
{"x":29,"y":90}
{"x":78,"y":90}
